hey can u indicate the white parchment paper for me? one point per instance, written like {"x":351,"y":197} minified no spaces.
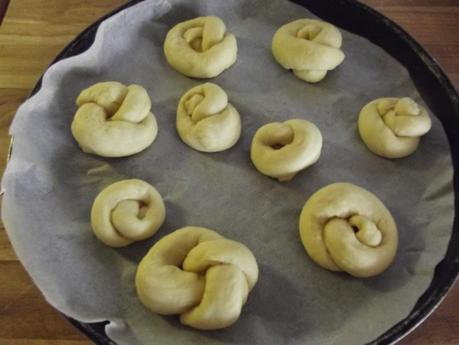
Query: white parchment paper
{"x":50,"y":184}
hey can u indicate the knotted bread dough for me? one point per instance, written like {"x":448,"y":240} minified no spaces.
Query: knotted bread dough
{"x":344,"y":227}
{"x":392,"y":127}
{"x":309,"y":47}
{"x":127,"y":211}
{"x":200,"y":47}
{"x":205,"y":119}
{"x":198,"y":274}
{"x":281,"y":150}
{"x":114,"y":120}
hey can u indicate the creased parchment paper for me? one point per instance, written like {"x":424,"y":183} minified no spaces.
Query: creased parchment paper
{"x":50,"y":184}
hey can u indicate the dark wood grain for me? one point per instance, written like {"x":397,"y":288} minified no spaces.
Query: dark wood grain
{"x":34,"y":31}
{"x":435,"y":24}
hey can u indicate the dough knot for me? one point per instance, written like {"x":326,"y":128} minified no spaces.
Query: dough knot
{"x":198,"y":274}
{"x":205,"y":119}
{"x":127,"y":211}
{"x":281,"y":150}
{"x":309,"y":47}
{"x":114,"y":120}
{"x":200,"y":47}
{"x":392,"y":127}
{"x":346,"y":228}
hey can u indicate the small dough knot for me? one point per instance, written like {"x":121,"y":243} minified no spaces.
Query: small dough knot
{"x":281,"y":150}
{"x":127,"y":211}
{"x":392,"y":127}
{"x":346,"y":228}
{"x":199,"y":274}
{"x":205,"y":119}
{"x":200,"y":47}
{"x":114,"y":120}
{"x":309,"y":47}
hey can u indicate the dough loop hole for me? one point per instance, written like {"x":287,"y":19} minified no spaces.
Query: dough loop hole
{"x":277,"y":146}
{"x":194,"y":38}
{"x":308,"y":32}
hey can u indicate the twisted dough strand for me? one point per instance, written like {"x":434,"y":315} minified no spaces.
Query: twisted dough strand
{"x":281,"y":150}
{"x":127,"y":211}
{"x":205,"y":119}
{"x":114,"y":120}
{"x":345,"y":228}
{"x":392,"y":127}
{"x":199,"y":274}
{"x":309,"y":47}
{"x":200,"y":47}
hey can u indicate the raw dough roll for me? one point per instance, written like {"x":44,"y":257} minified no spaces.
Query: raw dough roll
{"x":205,"y":119}
{"x":392,"y":127}
{"x":309,"y":47}
{"x":198,"y":274}
{"x":114,"y":120}
{"x":200,"y":47}
{"x":281,"y":150}
{"x":346,"y":228}
{"x":127,"y":211}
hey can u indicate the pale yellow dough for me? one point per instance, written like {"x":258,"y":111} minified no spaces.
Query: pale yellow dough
{"x":205,"y":119}
{"x":200,"y":47}
{"x":114,"y":120}
{"x":309,"y":47}
{"x":198,"y":274}
{"x":281,"y":150}
{"x":392,"y":127}
{"x":344,"y":227}
{"x":127,"y":211}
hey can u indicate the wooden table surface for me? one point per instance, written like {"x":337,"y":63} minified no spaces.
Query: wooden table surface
{"x":34,"y":31}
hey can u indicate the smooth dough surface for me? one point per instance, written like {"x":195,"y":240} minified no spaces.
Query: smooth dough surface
{"x":281,"y":150}
{"x":344,"y":227}
{"x":199,"y":274}
{"x":392,"y":127}
{"x":127,"y":211}
{"x":200,"y":47}
{"x":114,"y":120}
{"x":309,"y":47}
{"x":205,"y":119}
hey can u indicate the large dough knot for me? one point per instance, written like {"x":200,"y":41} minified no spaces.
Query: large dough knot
{"x":309,"y":47}
{"x":205,"y":119}
{"x":392,"y":127}
{"x":200,"y":47}
{"x":198,"y":274}
{"x":281,"y":150}
{"x":127,"y":211}
{"x":344,"y":227}
{"x":114,"y":120}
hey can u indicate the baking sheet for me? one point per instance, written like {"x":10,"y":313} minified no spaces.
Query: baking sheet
{"x":50,"y":184}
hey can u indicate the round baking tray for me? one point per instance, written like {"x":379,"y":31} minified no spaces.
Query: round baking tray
{"x":435,"y":89}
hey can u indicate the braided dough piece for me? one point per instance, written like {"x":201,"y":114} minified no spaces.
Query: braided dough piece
{"x":205,"y":119}
{"x":127,"y":211}
{"x":392,"y":127}
{"x":199,"y":274}
{"x":344,"y":227}
{"x":114,"y":120}
{"x":200,"y":47}
{"x":309,"y":47}
{"x":281,"y":150}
